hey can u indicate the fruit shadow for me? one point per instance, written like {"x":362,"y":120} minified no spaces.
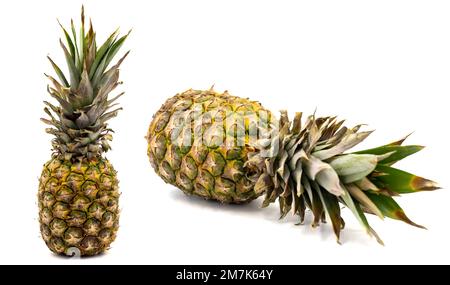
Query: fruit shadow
{"x":195,"y":201}
{"x":272,"y":214}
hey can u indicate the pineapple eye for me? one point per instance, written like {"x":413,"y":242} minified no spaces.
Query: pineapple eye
{"x":252,"y":172}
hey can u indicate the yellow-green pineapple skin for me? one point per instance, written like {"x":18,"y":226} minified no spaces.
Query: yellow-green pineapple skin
{"x":78,"y":206}
{"x":210,"y":169}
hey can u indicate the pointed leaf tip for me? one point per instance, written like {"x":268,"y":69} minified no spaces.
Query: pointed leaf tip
{"x":389,"y":207}
{"x":403,"y":182}
{"x":422,"y":184}
{"x":400,"y":141}
{"x":402,"y":216}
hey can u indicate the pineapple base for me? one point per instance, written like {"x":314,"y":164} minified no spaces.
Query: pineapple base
{"x":78,"y":206}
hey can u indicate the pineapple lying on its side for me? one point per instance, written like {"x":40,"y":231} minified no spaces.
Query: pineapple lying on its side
{"x":78,"y":189}
{"x":232,"y":150}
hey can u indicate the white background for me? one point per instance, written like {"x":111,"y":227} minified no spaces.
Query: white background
{"x":385,"y":63}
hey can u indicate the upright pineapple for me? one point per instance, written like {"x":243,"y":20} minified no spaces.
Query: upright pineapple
{"x":78,"y":189}
{"x":232,"y":150}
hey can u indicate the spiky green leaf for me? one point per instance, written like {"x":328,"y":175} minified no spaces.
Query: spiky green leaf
{"x":390,"y":208}
{"x":398,"y":152}
{"x":82,"y":40}
{"x":59,"y":73}
{"x":366,"y":224}
{"x":77,"y":53}
{"x":115,"y":48}
{"x":331,"y":206}
{"x":101,"y":53}
{"x":359,"y":214}
{"x":69,"y":42}
{"x":400,"y":181}
{"x":73,"y":72}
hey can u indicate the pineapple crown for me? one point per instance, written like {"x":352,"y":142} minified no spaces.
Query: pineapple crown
{"x":79,"y":122}
{"x":306,"y":166}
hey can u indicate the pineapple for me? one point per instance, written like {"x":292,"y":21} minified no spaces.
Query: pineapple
{"x":232,"y":150}
{"x":78,"y":189}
